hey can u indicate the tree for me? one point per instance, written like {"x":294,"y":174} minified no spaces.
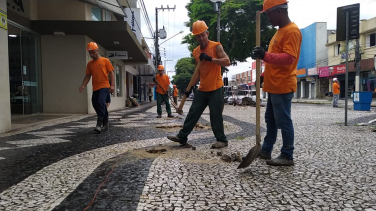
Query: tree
{"x":238,"y":26}
{"x":184,"y":70}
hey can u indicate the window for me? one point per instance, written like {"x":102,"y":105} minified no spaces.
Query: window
{"x":371,"y":40}
{"x":337,"y":49}
{"x":118,"y":76}
{"x":96,"y":14}
{"x":107,"y":16}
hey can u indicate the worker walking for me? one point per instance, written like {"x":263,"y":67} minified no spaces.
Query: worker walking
{"x":336,"y":92}
{"x":99,"y":68}
{"x":280,"y":81}
{"x":175,"y":94}
{"x":162,"y":96}
{"x":210,"y":91}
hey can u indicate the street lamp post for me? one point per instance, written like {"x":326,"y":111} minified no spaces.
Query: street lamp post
{"x":217,"y":8}
{"x":331,"y":69}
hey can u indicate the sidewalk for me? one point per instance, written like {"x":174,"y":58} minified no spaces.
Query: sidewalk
{"x":323,"y":101}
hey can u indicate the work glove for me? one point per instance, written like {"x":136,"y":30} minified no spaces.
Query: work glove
{"x":166,"y":92}
{"x":261,"y":81}
{"x":258,"y":53}
{"x":187,"y":93}
{"x":204,"y":56}
{"x":153,"y":79}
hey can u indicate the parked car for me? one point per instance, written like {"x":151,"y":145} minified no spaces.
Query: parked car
{"x":238,"y":96}
{"x":226,"y":95}
{"x":253,"y":95}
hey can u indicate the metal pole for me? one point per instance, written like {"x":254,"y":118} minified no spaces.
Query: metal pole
{"x":218,"y":22}
{"x":357,"y":59}
{"x":347,"y":65}
{"x":156,"y":40}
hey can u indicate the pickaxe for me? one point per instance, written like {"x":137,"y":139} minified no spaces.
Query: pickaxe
{"x":172,"y":101}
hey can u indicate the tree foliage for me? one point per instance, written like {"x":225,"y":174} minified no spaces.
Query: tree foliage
{"x":237,"y":24}
{"x":184,"y":70}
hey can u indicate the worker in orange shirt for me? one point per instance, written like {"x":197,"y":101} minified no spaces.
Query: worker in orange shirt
{"x":280,"y":81}
{"x":99,"y":68}
{"x":175,"y":94}
{"x":336,"y":92}
{"x":210,"y":91}
{"x":162,"y":96}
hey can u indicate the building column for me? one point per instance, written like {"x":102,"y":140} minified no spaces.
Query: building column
{"x":310,"y":91}
{"x":5,"y":118}
{"x":302,"y":89}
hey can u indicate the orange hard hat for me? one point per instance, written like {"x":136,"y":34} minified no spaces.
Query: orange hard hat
{"x":174,"y":85}
{"x":160,"y":67}
{"x":269,"y":4}
{"x":92,"y":46}
{"x":198,"y":27}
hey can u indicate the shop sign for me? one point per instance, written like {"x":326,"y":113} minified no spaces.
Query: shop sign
{"x":323,"y":71}
{"x":301,"y":72}
{"x":312,"y":71}
{"x":340,"y":69}
{"x":117,"y":54}
{"x":310,"y":79}
{"x":3,"y":20}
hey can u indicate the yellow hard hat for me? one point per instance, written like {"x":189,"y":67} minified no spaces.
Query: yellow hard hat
{"x":198,"y":27}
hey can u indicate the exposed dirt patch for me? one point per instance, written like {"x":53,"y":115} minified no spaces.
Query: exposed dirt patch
{"x":174,"y":128}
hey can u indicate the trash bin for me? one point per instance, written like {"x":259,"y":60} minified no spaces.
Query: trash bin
{"x":362,"y":101}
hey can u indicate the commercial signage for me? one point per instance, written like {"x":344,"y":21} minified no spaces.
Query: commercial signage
{"x":340,"y":69}
{"x":323,"y":71}
{"x":3,"y":20}
{"x":117,"y":54}
{"x":312,"y":71}
{"x":301,"y":72}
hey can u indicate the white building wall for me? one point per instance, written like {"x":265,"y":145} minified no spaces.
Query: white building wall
{"x":5,"y":118}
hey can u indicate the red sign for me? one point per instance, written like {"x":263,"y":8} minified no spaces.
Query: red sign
{"x":340,"y":69}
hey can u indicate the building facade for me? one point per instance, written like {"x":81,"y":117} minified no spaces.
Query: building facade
{"x":337,"y":59}
{"x":44,"y":57}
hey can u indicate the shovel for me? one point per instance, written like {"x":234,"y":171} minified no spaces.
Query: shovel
{"x":254,"y":151}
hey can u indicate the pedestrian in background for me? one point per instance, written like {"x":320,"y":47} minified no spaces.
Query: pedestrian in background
{"x":280,"y":81}
{"x":336,"y":92}
{"x":175,"y":94}
{"x":150,"y":94}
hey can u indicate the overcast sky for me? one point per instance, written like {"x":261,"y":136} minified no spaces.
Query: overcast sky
{"x":302,"y":12}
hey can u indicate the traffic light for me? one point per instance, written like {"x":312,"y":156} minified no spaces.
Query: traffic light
{"x":353,"y":25}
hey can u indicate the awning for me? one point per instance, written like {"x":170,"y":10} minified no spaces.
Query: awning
{"x":105,"y":33}
{"x":110,"y":5}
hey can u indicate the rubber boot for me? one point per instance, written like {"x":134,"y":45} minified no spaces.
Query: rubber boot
{"x":99,"y":124}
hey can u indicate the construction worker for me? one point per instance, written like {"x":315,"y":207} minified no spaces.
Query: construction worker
{"x":210,"y":91}
{"x":162,"y":95}
{"x":336,"y":92}
{"x":175,"y":94}
{"x":99,"y":68}
{"x":280,"y":82}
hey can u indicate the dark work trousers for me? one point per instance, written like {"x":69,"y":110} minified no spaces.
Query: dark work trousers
{"x":214,"y":100}
{"x":98,"y":100}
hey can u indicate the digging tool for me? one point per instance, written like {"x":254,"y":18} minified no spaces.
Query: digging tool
{"x":254,"y":151}
{"x":191,"y":83}
{"x":172,"y":101}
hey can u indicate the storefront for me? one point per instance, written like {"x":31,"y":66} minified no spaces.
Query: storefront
{"x":368,"y":76}
{"x":25,"y":80}
{"x":324,"y":82}
{"x":312,"y":74}
{"x":302,"y":86}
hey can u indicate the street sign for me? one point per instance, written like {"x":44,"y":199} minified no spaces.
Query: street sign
{"x":353,"y":25}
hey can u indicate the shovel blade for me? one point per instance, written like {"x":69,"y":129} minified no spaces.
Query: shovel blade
{"x":252,"y":155}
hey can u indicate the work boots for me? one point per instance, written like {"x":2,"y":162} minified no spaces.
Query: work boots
{"x":105,"y":123}
{"x":98,"y":128}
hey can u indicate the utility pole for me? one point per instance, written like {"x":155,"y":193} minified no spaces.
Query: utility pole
{"x":357,"y":65}
{"x":156,"y":33}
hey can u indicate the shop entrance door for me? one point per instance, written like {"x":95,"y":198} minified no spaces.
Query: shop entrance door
{"x":24,"y":71}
